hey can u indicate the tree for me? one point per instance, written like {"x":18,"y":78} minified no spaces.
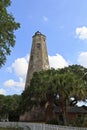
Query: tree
{"x":62,"y":87}
{"x":69,"y":86}
{"x":13,"y":107}
{"x":9,"y":107}
{"x":2,"y":108}
{"x":7,"y":28}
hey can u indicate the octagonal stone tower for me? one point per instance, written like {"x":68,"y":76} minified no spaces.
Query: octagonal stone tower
{"x":38,"y":56}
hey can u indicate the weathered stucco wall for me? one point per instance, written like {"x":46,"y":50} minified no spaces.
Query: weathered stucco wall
{"x":38,"y":56}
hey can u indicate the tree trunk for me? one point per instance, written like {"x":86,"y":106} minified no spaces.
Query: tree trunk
{"x":64,"y":107}
{"x":49,"y":111}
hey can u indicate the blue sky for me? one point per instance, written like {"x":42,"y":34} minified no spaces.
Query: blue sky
{"x":63,"y":22}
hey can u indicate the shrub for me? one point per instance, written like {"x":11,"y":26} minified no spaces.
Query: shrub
{"x":53,"y":122}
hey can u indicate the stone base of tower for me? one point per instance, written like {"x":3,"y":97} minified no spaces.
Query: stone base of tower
{"x":33,"y":116}
{"x":39,"y":114}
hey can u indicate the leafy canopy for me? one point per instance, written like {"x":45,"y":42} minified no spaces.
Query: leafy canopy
{"x":62,"y":87}
{"x":67,"y":83}
{"x":7,"y":28}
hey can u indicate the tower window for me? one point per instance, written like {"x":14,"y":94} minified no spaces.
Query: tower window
{"x":38,"y":45}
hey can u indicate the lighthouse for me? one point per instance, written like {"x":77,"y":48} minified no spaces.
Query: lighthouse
{"x":38,"y":56}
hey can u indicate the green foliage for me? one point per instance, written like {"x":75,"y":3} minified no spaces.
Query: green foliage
{"x":9,"y":107}
{"x":7,"y":28}
{"x":56,"y":86}
{"x":78,"y":122}
{"x":26,"y":102}
{"x":53,"y":122}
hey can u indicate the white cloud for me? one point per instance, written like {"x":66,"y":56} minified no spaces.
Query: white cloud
{"x":57,"y":61}
{"x":81,"y":33}
{"x":2,"y":91}
{"x":82,"y":59}
{"x":20,"y":66}
{"x":45,"y":18}
{"x":15,"y":87}
{"x":12,"y":83}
